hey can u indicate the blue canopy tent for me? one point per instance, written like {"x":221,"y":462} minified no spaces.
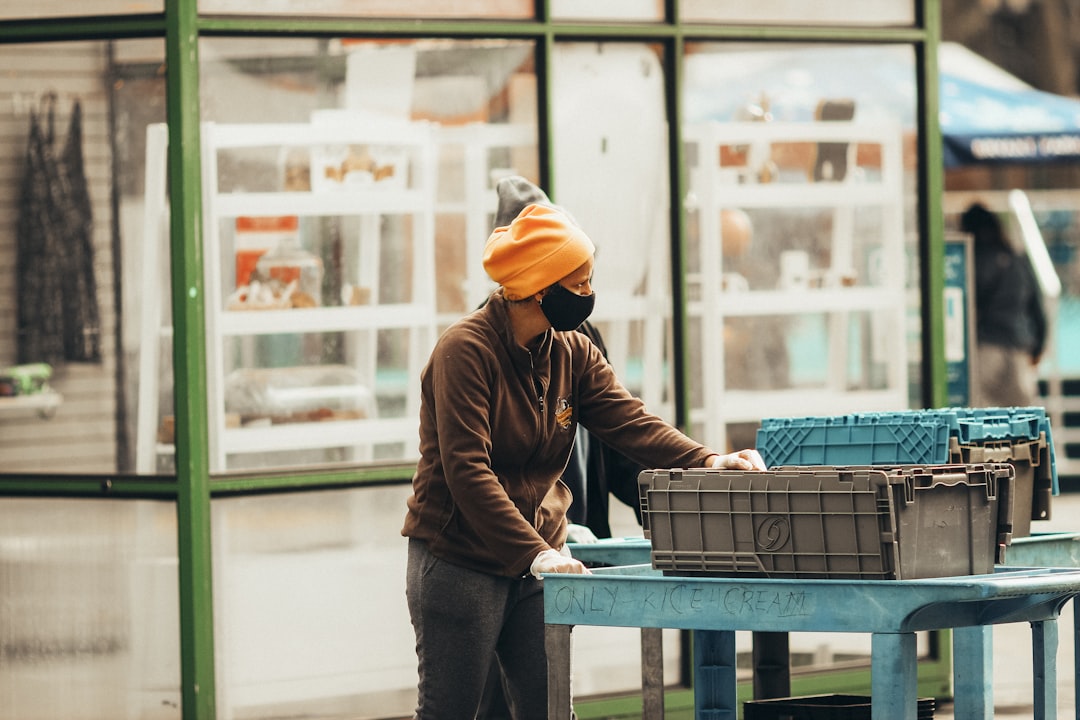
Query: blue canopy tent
{"x":990,"y":116}
{"x":987,"y":115}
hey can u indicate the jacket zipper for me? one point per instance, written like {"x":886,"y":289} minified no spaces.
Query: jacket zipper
{"x":538,"y":388}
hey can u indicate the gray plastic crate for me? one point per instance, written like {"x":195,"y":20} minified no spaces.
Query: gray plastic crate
{"x":1033,"y":483}
{"x":870,"y":523}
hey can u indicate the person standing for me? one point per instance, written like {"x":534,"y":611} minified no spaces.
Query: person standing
{"x":1010,"y":319}
{"x":595,"y":471}
{"x":502,"y":395}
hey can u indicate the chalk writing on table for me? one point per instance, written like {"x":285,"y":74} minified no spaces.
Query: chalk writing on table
{"x":688,"y":599}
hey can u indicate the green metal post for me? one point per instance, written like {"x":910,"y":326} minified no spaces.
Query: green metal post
{"x":189,"y":362}
{"x":673,"y":60}
{"x":935,"y":392}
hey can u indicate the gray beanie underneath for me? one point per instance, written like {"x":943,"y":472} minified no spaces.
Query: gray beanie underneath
{"x":515,"y":192}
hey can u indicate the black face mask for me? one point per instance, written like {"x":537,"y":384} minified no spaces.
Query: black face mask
{"x":566,"y":310}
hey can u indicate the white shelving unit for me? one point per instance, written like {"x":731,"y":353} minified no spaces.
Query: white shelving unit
{"x":413,"y":197}
{"x":411,"y":194}
{"x":715,"y":187}
{"x":477,"y":201}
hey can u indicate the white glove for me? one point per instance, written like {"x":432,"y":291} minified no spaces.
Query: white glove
{"x":580,"y":534}
{"x":748,"y":459}
{"x":552,"y":561}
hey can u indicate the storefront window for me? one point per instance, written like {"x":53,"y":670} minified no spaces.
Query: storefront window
{"x":90,"y":626}
{"x":802,"y":209}
{"x":456,"y":9}
{"x":83,"y":241}
{"x":798,"y":12}
{"x":349,"y":191}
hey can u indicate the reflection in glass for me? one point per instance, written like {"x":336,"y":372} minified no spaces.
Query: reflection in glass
{"x":802,"y":216}
{"x":876,"y":13}
{"x":89,"y":615}
{"x":612,"y":175}
{"x":76,"y":240}
{"x":350,"y":190}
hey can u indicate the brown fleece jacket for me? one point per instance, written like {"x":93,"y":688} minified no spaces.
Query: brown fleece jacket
{"x":497,"y":423}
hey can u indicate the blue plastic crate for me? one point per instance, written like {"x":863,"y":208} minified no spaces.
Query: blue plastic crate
{"x":853,"y":440}
{"x":899,"y":437}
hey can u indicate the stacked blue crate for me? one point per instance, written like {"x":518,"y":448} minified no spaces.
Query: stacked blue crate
{"x":1019,"y":435}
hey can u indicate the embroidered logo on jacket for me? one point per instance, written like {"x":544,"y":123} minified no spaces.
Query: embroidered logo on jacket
{"x":564,"y":413}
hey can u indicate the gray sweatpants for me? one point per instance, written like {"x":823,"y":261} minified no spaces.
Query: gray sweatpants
{"x":464,"y":619}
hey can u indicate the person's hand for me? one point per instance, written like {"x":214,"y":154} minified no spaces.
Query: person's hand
{"x":580,"y":534}
{"x":552,"y":561}
{"x":748,"y":459}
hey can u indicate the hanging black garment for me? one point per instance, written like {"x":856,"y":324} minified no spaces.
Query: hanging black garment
{"x":58,"y":314}
{"x":82,"y":322}
{"x":39,"y":263}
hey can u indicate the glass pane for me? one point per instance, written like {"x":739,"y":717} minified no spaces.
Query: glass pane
{"x":607,"y":10}
{"x":602,"y":166}
{"x":309,"y":606}
{"x":83,"y":244}
{"x":89,"y":611}
{"x":800,"y":12}
{"x":37,"y":9}
{"x":505,"y":9}
{"x":307,"y":586}
{"x":802,"y":265}
{"x":340,"y":175}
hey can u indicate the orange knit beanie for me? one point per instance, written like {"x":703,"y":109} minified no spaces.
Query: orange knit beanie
{"x":538,"y":248}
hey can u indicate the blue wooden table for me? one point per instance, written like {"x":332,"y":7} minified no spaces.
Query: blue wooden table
{"x":771,"y":650}
{"x":892,"y":611}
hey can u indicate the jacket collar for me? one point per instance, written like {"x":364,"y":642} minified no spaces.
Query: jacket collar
{"x":536,"y":359}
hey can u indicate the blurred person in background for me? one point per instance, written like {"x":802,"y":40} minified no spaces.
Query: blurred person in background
{"x":1010,"y":318}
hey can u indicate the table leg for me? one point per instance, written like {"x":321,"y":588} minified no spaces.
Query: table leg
{"x":1044,"y":644}
{"x":772,"y":665}
{"x":652,"y":674}
{"x":1076,"y":657}
{"x":557,"y":646}
{"x":893,"y":681}
{"x":973,"y":673}
{"x":714,"y":675}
